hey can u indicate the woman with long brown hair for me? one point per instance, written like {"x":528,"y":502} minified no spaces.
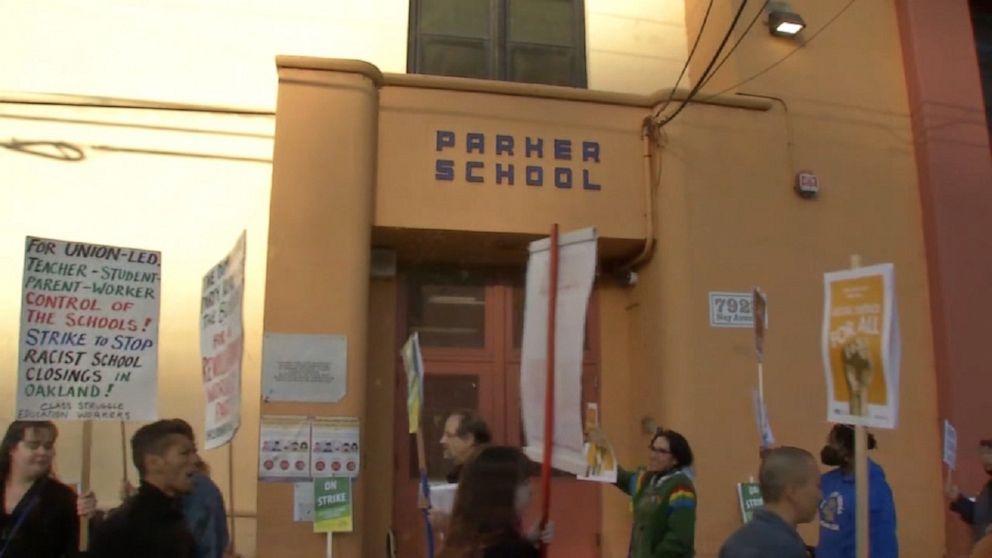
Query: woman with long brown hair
{"x":492,"y":495}
{"x":39,"y":516}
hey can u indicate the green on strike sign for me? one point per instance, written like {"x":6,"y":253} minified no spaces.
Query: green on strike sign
{"x":749,"y":496}
{"x":332,"y":505}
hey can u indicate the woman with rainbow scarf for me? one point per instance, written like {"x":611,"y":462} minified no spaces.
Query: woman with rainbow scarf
{"x":663,"y":499}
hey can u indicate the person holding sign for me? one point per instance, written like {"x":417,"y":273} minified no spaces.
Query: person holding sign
{"x":493,"y":493}
{"x":977,"y":512}
{"x":40,"y":515}
{"x":663,"y":497}
{"x":790,"y":487}
{"x":150,"y":524}
{"x":837,"y":521}
{"x":464,"y":431}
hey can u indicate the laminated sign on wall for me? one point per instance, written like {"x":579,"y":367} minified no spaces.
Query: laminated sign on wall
{"x":304,"y":368}
{"x":861,"y":346}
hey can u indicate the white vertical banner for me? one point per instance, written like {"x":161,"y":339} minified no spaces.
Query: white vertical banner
{"x":222,"y":345}
{"x":576,"y":271}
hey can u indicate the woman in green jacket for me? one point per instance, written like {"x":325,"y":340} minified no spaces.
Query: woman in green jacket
{"x":663,"y":499}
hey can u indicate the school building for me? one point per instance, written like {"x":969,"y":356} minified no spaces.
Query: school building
{"x":391,"y":160}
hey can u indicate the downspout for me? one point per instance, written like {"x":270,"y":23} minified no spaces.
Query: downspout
{"x":649,"y":134}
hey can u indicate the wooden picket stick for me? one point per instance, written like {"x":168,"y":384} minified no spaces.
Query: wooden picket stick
{"x":861,"y":458}
{"x":230,"y":490}
{"x":124,"y":451}
{"x":84,"y":482}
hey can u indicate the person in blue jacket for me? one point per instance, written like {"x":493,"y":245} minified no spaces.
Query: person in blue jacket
{"x":837,"y":524}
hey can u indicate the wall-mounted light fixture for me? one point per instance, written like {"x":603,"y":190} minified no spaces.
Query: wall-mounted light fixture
{"x":782,"y":20}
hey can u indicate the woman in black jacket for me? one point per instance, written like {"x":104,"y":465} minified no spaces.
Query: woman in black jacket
{"x":39,"y":517}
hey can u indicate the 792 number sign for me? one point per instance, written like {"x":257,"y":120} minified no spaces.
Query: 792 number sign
{"x":731,"y":310}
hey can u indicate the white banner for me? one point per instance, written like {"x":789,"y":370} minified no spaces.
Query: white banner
{"x":89,"y":332}
{"x":222,"y":345}
{"x":861,"y":345}
{"x":576,"y":271}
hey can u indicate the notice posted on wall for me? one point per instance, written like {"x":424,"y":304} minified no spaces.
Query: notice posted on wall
{"x":304,"y":368}
{"x":303,"y":502}
{"x":89,"y":332}
{"x":297,"y":448}
{"x":285,"y":448}
{"x":335,"y":449}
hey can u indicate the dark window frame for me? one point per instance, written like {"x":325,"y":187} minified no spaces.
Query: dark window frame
{"x":498,"y":52}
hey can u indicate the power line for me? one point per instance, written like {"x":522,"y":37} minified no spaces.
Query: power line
{"x":740,"y":39}
{"x":706,"y":72}
{"x":685,"y":67}
{"x":787,"y":56}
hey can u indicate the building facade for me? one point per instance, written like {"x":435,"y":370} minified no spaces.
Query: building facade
{"x":338,"y":168}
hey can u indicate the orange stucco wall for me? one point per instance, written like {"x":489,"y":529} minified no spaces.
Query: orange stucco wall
{"x":726,"y":219}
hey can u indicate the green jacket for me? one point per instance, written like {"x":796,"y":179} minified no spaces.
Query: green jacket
{"x":664,"y":514}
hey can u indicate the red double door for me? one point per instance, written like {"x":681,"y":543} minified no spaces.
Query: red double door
{"x":470,"y":326}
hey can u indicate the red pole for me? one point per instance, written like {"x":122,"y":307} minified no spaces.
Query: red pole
{"x":549,"y":394}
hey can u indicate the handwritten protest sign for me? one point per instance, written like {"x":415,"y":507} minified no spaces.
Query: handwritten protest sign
{"x":222,"y":345}
{"x":89,"y":332}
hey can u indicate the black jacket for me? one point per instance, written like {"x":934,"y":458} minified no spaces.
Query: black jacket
{"x":43,"y":525}
{"x":148,"y":525}
{"x":512,"y":548}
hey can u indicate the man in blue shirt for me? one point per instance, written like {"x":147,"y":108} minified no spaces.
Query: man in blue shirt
{"x":838,"y":529}
{"x":790,"y":487}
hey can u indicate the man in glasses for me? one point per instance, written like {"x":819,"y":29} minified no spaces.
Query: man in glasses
{"x":977,"y":511}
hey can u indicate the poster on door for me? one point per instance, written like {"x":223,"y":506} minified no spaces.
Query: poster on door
{"x":222,"y":345}
{"x":576,"y":270}
{"x":336,"y":450}
{"x":89,"y":332}
{"x":284,"y":453}
{"x":861,"y":345}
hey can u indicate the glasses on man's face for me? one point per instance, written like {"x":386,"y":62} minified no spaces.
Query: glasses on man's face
{"x":662,"y":451}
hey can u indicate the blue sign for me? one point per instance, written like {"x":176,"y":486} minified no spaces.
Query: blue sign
{"x":537,"y":173}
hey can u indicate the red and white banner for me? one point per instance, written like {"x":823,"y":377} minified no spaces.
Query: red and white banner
{"x":222,"y":345}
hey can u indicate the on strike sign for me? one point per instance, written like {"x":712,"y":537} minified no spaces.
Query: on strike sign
{"x":89,"y":332}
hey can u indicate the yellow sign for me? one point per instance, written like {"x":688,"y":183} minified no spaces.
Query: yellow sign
{"x":861,"y":346}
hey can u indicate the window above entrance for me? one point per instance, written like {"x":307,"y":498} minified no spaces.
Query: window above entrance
{"x":530,"y":41}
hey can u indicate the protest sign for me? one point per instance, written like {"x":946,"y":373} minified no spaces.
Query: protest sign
{"x":749,"y":498}
{"x":89,"y":332}
{"x":576,"y":270}
{"x":861,"y":345}
{"x":222,"y":345}
{"x":332,"y":505}
{"x":950,"y":445}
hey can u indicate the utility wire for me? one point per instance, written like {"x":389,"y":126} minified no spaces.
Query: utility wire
{"x":787,"y":56}
{"x":709,"y":67}
{"x":685,"y":67}
{"x":740,"y":39}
